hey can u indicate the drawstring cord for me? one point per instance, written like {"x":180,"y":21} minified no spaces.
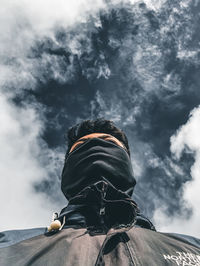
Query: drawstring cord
{"x":56,"y":224}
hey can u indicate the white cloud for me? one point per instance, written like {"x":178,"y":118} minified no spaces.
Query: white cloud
{"x":19,"y":147}
{"x":186,"y":139}
{"x":152,"y":4}
{"x":43,"y":15}
{"x":23,"y":22}
{"x":23,"y":155}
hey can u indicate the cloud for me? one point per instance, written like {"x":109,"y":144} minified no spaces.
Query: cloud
{"x":20,"y":146}
{"x":186,"y":140}
{"x":26,"y":159}
{"x":42,"y":17}
{"x":132,"y":62}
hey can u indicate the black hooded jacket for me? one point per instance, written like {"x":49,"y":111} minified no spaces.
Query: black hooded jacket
{"x":101,"y":224}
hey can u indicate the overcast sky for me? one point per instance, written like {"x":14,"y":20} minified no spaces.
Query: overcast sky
{"x":135,"y":62}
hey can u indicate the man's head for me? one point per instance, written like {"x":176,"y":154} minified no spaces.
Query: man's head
{"x":97,"y":151}
{"x":99,"y":128}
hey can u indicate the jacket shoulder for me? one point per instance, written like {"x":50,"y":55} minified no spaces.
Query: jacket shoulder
{"x":184,"y":238}
{"x":8,"y":238}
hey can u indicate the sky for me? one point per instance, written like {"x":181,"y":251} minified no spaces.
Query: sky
{"x":134,"y":62}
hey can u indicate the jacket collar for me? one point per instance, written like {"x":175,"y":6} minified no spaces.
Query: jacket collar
{"x":100,"y":207}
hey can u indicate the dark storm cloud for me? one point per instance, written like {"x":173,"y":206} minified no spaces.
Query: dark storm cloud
{"x":131,"y":64}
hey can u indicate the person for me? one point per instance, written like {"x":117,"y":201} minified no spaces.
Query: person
{"x":102,"y":224}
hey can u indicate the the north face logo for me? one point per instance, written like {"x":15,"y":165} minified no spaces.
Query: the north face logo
{"x":183,"y":259}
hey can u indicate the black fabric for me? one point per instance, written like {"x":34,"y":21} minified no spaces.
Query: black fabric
{"x":103,"y":227}
{"x":100,"y":207}
{"x":97,"y":160}
{"x":144,"y":222}
{"x":136,"y":246}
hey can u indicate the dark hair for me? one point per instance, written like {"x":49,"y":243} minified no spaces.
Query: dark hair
{"x":95,"y":126}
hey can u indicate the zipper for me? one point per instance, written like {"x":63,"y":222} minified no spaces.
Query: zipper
{"x":103,"y":195}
